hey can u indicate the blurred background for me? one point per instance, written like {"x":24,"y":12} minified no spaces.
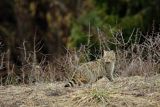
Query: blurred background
{"x":54,"y":25}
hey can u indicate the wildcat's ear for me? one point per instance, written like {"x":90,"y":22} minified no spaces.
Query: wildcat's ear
{"x":111,"y":51}
{"x":104,"y":52}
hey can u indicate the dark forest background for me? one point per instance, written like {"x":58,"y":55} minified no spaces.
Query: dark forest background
{"x":59,"y":24}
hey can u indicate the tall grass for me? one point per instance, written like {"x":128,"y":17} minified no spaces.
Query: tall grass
{"x":137,"y":55}
{"x":140,"y":55}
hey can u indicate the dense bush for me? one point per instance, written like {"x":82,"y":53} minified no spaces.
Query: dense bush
{"x":116,"y":15}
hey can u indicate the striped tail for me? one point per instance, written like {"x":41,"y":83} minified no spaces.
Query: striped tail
{"x":71,"y":83}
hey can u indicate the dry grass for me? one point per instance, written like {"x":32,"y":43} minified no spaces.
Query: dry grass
{"x":139,"y":55}
{"x":134,"y":57}
{"x":123,"y":92}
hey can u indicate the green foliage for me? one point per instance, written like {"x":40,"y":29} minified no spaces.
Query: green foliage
{"x":80,"y":27}
{"x":77,"y":37}
{"x":68,"y":23}
{"x":115,"y":15}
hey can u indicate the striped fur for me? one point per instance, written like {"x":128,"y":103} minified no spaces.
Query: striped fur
{"x":91,"y":71}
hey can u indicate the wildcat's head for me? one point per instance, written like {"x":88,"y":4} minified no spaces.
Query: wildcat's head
{"x":109,"y":56}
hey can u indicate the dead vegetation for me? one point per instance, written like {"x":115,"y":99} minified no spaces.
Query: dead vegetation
{"x":137,"y":81}
{"x":138,"y":55}
{"x":123,"y":92}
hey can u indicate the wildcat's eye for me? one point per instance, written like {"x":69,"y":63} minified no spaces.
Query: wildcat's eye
{"x":107,"y":62}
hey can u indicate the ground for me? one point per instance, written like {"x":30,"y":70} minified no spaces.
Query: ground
{"x":123,"y":92}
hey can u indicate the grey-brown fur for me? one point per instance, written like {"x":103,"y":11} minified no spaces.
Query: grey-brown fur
{"x":91,"y":71}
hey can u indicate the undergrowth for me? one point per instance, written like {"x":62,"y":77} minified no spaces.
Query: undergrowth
{"x":138,"y":55}
{"x":92,"y":96}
